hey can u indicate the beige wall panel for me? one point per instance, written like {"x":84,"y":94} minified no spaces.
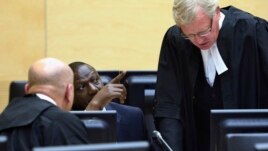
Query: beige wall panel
{"x":255,"y":7}
{"x":118,"y":34}
{"x":21,"y":40}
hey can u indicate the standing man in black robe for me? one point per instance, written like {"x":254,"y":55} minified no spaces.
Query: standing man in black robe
{"x":213,"y":58}
{"x":41,"y":118}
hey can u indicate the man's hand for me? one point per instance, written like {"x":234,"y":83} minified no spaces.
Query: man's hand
{"x":107,"y":93}
{"x":117,"y":80}
{"x":119,"y":77}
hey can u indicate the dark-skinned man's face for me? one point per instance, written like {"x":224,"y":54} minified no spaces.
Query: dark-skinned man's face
{"x":87,"y":83}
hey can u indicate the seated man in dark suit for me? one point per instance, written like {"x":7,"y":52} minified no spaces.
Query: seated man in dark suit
{"x":40,"y":118}
{"x":91,"y":94}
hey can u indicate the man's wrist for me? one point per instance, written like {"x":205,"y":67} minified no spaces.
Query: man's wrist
{"x":94,"y":105}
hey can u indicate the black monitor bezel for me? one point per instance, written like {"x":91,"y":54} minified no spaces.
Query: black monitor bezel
{"x":221,"y":118}
{"x":108,"y":116}
{"x":245,"y":141}
{"x":122,"y":146}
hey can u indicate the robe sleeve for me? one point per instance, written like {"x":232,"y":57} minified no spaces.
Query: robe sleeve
{"x":173,"y":105}
{"x":168,"y":88}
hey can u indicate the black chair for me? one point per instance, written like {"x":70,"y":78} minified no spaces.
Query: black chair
{"x":140,"y":90}
{"x":16,"y":89}
{"x":141,"y":93}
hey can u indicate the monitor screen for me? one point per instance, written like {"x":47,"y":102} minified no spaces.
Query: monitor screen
{"x":123,"y":146}
{"x":224,"y":122}
{"x":101,"y":125}
{"x":244,"y":141}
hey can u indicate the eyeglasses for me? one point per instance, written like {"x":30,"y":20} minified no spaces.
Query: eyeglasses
{"x":199,"y":34}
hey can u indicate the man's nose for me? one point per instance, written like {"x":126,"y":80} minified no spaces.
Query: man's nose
{"x":199,"y":39}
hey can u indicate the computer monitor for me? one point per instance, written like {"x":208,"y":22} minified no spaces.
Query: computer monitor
{"x":225,"y":121}
{"x":261,"y":147}
{"x":3,"y":142}
{"x":141,"y":93}
{"x":101,"y":125}
{"x":244,"y":141}
{"x":123,"y":146}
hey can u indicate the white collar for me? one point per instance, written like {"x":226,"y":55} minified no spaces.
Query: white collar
{"x":222,"y":16}
{"x":47,"y":98}
{"x":216,"y":58}
{"x":212,"y":59}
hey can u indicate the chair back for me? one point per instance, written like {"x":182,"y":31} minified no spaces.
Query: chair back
{"x":16,"y":89}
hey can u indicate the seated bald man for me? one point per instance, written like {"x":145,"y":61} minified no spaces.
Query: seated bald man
{"x":41,"y":118}
{"x":91,"y":94}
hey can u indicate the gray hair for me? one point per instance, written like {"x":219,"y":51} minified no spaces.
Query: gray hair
{"x":184,"y":11}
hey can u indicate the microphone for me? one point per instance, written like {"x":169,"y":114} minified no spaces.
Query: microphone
{"x":161,"y":140}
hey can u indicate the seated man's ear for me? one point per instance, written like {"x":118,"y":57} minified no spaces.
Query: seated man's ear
{"x":69,"y":93}
{"x":26,"y":88}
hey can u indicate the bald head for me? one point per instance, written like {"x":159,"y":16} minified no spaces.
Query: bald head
{"x":49,"y":71}
{"x":51,"y":77}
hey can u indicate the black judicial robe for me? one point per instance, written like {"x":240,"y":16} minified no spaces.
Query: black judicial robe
{"x":29,"y":122}
{"x":243,"y":45}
